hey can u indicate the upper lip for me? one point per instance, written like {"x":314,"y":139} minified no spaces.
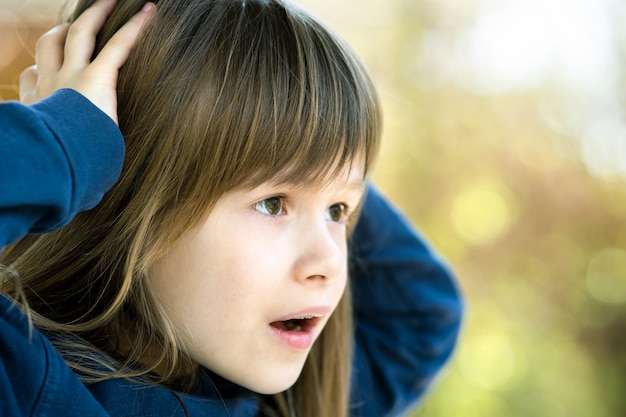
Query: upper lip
{"x":306,"y":313}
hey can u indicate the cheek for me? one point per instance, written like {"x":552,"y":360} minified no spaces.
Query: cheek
{"x":340,"y":288}
{"x":339,"y":236}
{"x":183,"y":278}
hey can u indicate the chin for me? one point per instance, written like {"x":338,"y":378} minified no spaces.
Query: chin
{"x":271,"y":382}
{"x":267,"y":387}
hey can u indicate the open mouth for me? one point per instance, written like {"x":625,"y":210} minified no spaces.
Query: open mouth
{"x":300,"y":324}
{"x":297,"y":330}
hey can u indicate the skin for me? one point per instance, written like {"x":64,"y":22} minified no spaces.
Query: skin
{"x":261,"y":256}
{"x":63,"y":58}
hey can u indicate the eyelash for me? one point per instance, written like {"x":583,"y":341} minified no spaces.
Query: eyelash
{"x":258,"y":206}
{"x":280,"y":201}
{"x":344,"y":214}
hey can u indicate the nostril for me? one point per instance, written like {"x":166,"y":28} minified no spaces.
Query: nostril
{"x":311,"y":277}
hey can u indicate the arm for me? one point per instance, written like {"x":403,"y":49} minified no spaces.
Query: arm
{"x":408,"y":312}
{"x":60,"y":155}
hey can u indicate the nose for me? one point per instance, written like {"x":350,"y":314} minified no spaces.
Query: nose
{"x":322,"y":252}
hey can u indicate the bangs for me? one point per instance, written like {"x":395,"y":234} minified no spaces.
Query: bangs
{"x":294,"y":103}
{"x":235,"y":94}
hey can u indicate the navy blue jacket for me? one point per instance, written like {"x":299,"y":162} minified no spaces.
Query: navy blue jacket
{"x":61,"y":155}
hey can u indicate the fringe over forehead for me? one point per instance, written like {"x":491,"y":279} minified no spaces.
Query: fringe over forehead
{"x":265,"y":92}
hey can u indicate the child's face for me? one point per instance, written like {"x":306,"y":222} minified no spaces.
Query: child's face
{"x":261,"y":257}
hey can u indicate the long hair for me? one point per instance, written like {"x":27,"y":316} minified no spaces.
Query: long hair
{"x":217,"y":94}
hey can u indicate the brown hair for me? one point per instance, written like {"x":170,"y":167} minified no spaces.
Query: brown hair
{"x":217,"y":94}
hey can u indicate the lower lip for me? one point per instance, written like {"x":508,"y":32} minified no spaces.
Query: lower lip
{"x":296,"y":340}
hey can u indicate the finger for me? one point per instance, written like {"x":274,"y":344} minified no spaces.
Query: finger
{"x":81,"y":37}
{"x":117,"y":49}
{"x":49,"y":49}
{"x":28,"y":81}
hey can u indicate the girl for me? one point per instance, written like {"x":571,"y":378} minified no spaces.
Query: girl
{"x":212,"y":278}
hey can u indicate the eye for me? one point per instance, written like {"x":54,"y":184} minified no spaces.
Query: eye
{"x":272,"y":206}
{"x":337,"y":213}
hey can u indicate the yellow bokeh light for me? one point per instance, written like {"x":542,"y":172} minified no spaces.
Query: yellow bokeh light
{"x":482,"y":211}
{"x":488,"y":362}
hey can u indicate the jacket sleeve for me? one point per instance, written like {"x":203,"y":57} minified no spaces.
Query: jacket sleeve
{"x":58,"y":157}
{"x":407,"y":312}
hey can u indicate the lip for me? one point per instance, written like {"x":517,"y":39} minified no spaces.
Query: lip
{"x":313,"y":311}
{"x":297,"y":329}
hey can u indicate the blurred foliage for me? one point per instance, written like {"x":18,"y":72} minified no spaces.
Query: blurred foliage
{"x":536,"y":237}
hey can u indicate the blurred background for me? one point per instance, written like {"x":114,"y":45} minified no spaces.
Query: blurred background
{"x":505,"y":143}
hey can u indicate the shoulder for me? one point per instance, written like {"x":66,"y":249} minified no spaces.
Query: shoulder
{"x":41,"y":383}
{"x":126,"y":397}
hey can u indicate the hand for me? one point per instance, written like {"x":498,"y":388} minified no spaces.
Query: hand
{"x":63,"y":58}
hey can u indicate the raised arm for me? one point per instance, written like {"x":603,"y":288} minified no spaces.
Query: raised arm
{"x":407,"y":312}
{"x":60,"y":154}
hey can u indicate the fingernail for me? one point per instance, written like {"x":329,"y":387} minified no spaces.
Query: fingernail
{"x":147,"y":7}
